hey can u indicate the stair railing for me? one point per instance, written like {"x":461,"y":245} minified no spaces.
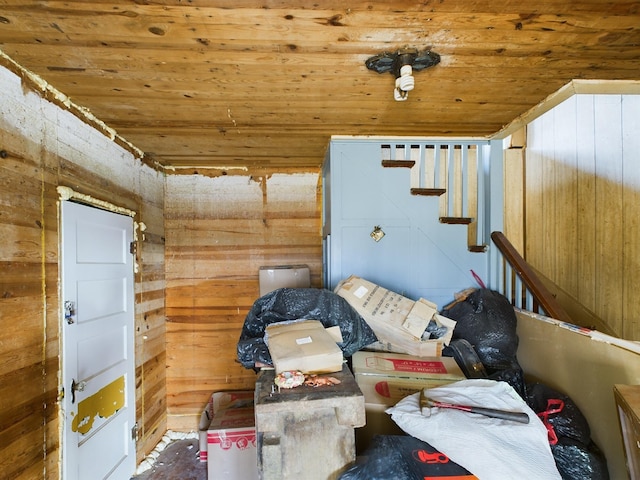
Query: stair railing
{"x":519,"y":283}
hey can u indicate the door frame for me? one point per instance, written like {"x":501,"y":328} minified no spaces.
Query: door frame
{"x":68,"y":194}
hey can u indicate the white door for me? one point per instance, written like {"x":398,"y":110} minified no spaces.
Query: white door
{"x":98,"y":369}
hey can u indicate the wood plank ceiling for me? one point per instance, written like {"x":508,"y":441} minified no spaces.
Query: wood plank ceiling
{"x":264,"y":83}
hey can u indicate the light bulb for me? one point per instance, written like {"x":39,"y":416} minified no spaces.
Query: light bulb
{"x":399,"y":94}
{"x":407,"y":82}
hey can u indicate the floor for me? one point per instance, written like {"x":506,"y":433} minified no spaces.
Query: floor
{"x":178,"y":461}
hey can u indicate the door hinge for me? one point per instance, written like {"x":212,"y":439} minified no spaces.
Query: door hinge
{"x":133,"y":248}
{"x":134,"y":432}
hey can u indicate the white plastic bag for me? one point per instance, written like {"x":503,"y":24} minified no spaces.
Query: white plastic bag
{"x":490,"y":448}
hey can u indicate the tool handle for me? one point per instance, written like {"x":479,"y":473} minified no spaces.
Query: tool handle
{"x":520,"y":417}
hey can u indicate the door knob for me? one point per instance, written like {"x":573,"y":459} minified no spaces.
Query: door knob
{"x":76,"y":387}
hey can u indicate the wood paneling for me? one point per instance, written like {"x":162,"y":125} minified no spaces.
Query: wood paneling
{"x":582,"y":204}
{"x":586,"y":203}
{"x":41,"y":147}
{"x":610,"y":231}
{"x":266,"y":83}
{"x":151,"y":403}
{"x":631,"y":216}
{"x":514,"y":220}
{"x":25,"y":320}
{"x":219,"y":232}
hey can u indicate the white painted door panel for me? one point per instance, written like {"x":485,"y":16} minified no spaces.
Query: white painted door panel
{"x":98,"y":344}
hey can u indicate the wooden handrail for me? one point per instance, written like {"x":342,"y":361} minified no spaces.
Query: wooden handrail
{"x":532,"y":283}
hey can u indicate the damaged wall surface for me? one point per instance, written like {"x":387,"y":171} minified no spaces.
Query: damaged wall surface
{"x":219,"y":232}
{"x":42,"y":146}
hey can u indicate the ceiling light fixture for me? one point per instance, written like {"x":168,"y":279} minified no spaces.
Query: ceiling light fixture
{"x":401,"y":64}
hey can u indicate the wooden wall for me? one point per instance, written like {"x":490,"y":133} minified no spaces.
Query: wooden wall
{"x":42,"y":146}
{"x":219,"y":232}
{"x":581,"y":211}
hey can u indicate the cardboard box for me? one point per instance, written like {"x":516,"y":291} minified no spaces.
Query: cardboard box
{"x":379,"y":422}
{"x":397,"y":321}
{"x":304,"y":346}
{"x":217,"y":402}
{"x":385,"y":378}
{"x":292,"y":276}
{"x":231,"y":445}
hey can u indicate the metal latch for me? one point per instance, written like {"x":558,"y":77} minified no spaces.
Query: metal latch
{"x":134,"y":432}
{"x":69,"y":311}
{"x":133,"y":248}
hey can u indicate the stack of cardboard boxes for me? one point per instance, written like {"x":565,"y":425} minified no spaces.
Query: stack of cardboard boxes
{"x":386,"y":378}
{"x":404,"y":360}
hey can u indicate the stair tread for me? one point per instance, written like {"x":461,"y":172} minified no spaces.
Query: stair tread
{"x":436,"y":192}
{"x":456,"y":220}
{"x":398,"y":163}
{"x":429,"y":192}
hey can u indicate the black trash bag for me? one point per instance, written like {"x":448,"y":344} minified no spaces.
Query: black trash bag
{"x":380,"y":462}
{"x":402,"y":457}
{"x":488,"y":321}
{"x":287,"y":304}
{"x":513,"y":375}
{"x":569,"y":422}
{"x":577,"y":461}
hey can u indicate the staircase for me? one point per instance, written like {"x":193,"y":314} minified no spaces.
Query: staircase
{"x":378,"y":225}
{"x":451,"y":171}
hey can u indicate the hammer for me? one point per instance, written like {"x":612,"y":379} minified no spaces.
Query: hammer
{"x":426,"y":403}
